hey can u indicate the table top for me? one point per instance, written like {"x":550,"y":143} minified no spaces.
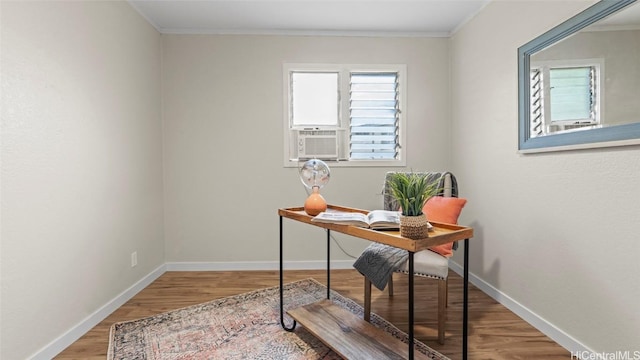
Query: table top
{"x":442,"y":233}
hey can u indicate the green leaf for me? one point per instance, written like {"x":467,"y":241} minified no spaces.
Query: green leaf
{"x":412,"y":191}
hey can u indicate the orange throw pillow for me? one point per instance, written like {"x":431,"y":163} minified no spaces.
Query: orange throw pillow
{"x":445,"y":210}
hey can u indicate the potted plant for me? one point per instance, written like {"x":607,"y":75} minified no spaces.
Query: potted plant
{"x":412,"y":191}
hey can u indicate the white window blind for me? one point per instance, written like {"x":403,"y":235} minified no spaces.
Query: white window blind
{"x":537,"y":102}
{"x":374,"y":116}
{"x":572,"y":94}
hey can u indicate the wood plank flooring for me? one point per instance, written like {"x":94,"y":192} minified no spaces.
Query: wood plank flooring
{"x":494,"y":332}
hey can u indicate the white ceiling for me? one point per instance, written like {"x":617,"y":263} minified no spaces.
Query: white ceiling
{"x":315,"y":17}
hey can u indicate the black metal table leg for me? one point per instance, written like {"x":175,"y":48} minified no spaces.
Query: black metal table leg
{"x":411,"y":305}
{"x":328,"y":264}
{"x":293,"y":326}
{"x":465,"y":305}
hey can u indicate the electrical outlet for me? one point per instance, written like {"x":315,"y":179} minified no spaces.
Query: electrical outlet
{"x":134,"y":259}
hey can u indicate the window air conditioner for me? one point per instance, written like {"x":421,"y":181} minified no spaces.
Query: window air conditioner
{"x":316,"y":144}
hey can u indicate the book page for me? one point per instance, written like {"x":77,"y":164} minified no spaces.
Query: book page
{"x":384,"y":216}
{"x":384,"y":219}
{"x":342,"y":217}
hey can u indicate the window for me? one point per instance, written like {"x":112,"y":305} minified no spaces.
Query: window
{"x":572,"y":94}
{"x":373,"y":116}
{"x":347,"y":114}
{"x":314,"y":99}
{"x":565,"y":96}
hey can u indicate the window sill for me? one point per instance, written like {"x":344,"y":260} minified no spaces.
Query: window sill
{"x":351,"y":163}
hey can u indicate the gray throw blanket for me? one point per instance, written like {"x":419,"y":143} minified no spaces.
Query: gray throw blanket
{"x":378,"y":261}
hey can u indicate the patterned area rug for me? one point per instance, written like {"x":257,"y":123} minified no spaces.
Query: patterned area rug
{"x":245,"y":326}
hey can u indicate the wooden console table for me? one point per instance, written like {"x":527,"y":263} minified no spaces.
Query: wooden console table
{"x":343,"y":332}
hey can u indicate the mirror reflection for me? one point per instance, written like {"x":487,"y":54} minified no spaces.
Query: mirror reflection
{"x":588,"y":80}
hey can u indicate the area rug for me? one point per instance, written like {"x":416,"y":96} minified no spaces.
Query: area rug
{"x":245,"y":326}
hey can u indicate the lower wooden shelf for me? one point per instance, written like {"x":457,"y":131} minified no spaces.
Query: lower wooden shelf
{"x":348,"y":335}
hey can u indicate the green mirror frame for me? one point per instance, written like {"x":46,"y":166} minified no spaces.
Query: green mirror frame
{"x":628,"y":134}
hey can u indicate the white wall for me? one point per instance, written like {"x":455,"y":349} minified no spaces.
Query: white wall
{"x":555,"y":232}
{"x":223,"y":145}
{"x":81,"y":163}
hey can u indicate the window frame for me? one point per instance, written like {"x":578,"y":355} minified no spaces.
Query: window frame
{"x":544,"y":67}
{"x":343,"y":129}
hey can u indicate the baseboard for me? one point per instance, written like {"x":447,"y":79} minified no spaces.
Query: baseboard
{"x":562,"y":338}
{"x":68,"y":338}
{"x":258,"y":265}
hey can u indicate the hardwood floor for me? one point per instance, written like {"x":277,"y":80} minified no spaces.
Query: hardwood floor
{"x":494,"y":332}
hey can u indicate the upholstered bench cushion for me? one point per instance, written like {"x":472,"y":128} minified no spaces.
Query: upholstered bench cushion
{"x":428,"y":263}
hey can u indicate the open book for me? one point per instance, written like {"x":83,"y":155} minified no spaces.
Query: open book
{"x":376,"y":219}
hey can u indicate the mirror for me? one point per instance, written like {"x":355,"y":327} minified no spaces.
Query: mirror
{"x":579,"y":83}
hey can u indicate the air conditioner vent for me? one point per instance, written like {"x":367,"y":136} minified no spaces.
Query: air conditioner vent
{"x":317,"y":144}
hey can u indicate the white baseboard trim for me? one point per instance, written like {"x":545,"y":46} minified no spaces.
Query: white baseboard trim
{"x":68,"y":338}
{"x":258,"y":265}
{"x":545,"y":327}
